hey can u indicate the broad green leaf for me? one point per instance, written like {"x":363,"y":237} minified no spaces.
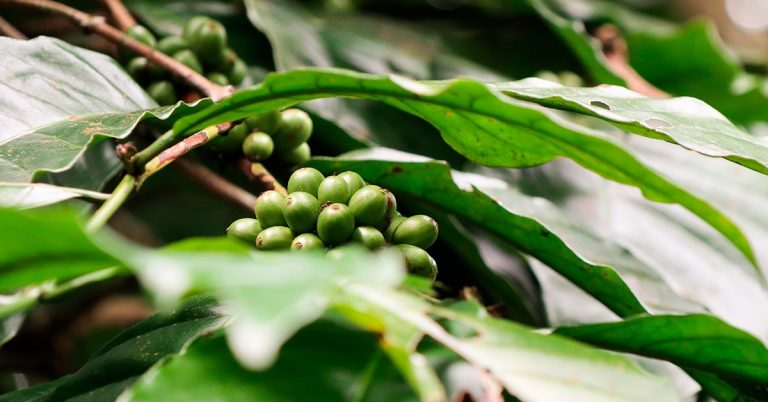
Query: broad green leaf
{"x":59,"y":100}
{"x":698,"y":341}
{"x":31,"y":195}
{"x":530,"y":224}
{"x":481,"y":124}
{"x":688,"y":122}
{"x":323,"y":362}
{"x":129,"y":355}
{"x":35,"y":393}
{"x":45,"y":246}
{"x":533,"y":367}
{"x":273,"y":295}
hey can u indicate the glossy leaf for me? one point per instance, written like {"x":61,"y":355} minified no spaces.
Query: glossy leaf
{"x":424,"y":179}
{"x":31,"y":195}
{"x":698,"y":341}
{"x":478,"y":122}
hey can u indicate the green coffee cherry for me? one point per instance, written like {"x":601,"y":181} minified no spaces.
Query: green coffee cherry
{"x":305,"y":179}
{"x":209,"y":40}
{"x":301,"y":211}
{"x":393,"y":225}
{"x":369,"y":204}
{"x":294,"y":129}
{"x":193,"y":25}
{"x":391,"y":206}
{"x":342,"y":252}
{"x":138,"y":68}
{"x":275,"y":238}
{"x":187,"y":58}
{"x":171,"y":45}
{"x":238,"y":72}
{"x":353,"y":180}
{"x":307,"y":242}
{"x":224,"y":63}
{"x":267,"y":122}
{"x":162,"y":92}
{"x":418,"y":230}
{"x":333,"y":189}
{"x":335,"y":224}
{"x":217,"y":78}
{"x":296,"y":156}
{"x":418,"y":261}
{"x":269,"y":209}
{"x":139,"y":33}
{"x":258,"y":146}
{"x":369,"y":237}
{"x":233,"y":140}
{"x":245,"y":229}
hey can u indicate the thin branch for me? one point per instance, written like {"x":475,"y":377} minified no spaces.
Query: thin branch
{"x":217,"y":184}
{"x":121,"y":15}
{"x":91,"y":23}
{"x":258,"y":174}
{"x":7,"y":29}
{"x":617,"y":56}
{"x":108,"y":208}
{"x":177,"y":150}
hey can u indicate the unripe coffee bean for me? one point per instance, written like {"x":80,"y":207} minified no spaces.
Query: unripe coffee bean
{"x":418,"y":230}
{"x":187,"y":58}
{"x":139,"y":33}
{"x":232,"y":141}
{"x":295,"y":128}
{"x":305,"y":179}
{"x":301,"y":211}
{"x":296,"y":156}
{"x":245,"y":229}
{"x":223,"y":63}
{"x":192,"y":26}
{"x":333,"y":189}
{"x":170,"y":45}
{"x":307,"y":242}
{"x":275,"y":238}
{"x":418,"y":261}
{"x":238,"y":72}
{"x":162,"y":92}
{"x":209,"y":40}
{"x":267,"y":122}
{"x":335,"y":224}
{"x":217,"y":78}
{"x":269,"y":209}
{"x":369,"y":237}
{"x":353,"y":180}
{"x":391,"y":206}
{"x":258,"y":146}
{"x":342,"y":252}
{"x":393,"y":225}
{"x":138,"y":68}
{"x":369,"y":204}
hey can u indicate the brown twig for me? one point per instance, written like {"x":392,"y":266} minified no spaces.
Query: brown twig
{"x":217,"y":184}
{"x":121,"y":15}
{"x":617,"y":56}
{"x":258,"y":174}
{"x":177,"y":150}
{"x":10,"y":31}
{"x":91,"y":23}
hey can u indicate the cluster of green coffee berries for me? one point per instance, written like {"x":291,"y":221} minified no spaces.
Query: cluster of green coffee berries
{"x":201,"y":47}
{"x":283,"y":134}
{"x":330,"y":213}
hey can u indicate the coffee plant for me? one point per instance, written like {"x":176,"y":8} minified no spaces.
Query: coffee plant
{"x":353,"y":200}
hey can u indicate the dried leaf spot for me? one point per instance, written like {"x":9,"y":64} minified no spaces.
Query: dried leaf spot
{"x":600,"y":104}
{"x":397,"y":169}
{"x":449,"y":114}
{"x":655,"y":123}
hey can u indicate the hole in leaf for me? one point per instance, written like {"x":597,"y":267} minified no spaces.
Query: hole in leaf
{"x":657,"y":123}
{"x":600,"y":104}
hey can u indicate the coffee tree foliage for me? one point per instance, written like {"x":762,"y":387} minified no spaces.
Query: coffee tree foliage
{"x":595,"y":243}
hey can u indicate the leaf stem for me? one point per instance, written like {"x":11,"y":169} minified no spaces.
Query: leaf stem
{"x":176,"y":151}
{"x":92,"y":23}
{"x":113,"y":203}
{"x":217,"y":184}
{"x":7,"y":29}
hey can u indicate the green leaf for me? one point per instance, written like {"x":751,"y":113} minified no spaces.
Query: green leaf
{"x":31,"y":195}
{"x":273,"y":295}
{"x":698,"y":341}
{"x":119,"y":363}
{"x":531,"y":366}
{"x":45,"y":246}
{"x":425,"y":179}
{"x":331,"y":362}
{"x":60,"y":100}
{"x":688,"y":122}
{"x":35,"y":393}
{"x":483,"y":125}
